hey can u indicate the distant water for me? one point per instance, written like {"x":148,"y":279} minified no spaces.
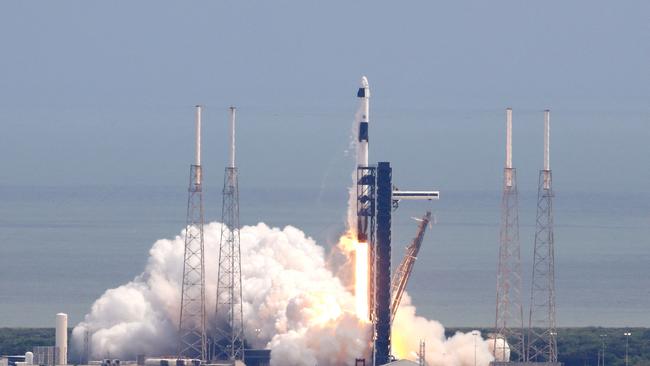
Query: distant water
{"x":60,"y":248}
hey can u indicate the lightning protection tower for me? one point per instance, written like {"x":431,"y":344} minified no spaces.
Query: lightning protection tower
{"x":422,"y":356}
{"x":229,"y":337}
{"x":542,"y":344}
{"x":192,"y":338}
{"x":85,"y":357}
{"x":509,"y":311}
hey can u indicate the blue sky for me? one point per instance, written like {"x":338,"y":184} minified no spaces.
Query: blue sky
{"x":102,"y":92}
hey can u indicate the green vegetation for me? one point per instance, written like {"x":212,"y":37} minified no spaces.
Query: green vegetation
{"x":576,"y":346}
{"x":17,"y":341}
{"x":580,"y":346}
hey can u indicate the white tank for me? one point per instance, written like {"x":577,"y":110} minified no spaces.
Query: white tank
{"x":502,"y":353}
{"x":61,"y":342}
{"x":29,"y":358}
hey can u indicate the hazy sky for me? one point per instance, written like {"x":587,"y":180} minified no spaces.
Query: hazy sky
{"x":102,"y":92}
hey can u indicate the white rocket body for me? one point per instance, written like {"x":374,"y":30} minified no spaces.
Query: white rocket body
{"x":362,"y":249}
{"x":362,"y":142}
{"x":61,"y":341}
{"x":362,"y":150}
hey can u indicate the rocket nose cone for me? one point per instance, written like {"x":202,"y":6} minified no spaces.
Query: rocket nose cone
{"x":364,"y":82}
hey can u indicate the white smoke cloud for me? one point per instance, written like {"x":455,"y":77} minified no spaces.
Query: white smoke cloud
{"x":293,"y":304}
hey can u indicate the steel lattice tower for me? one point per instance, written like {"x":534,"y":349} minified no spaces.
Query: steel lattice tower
{"x":229,"y":337}
{"x":422,"y":356}
{"x":192,"y":338}
{"x":86,"y":347}
{"x":542,"y":343}
{"x":509,"y":310}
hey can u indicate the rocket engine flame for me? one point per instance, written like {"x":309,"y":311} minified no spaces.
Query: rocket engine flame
{"x":360,"y":259}
{"x":361,"y":291}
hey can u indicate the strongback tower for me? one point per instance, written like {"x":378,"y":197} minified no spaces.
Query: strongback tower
{"x":366,"y":211}
{"x":509,"y":310}
{"x":382,"y":258}
{"x":229,"y":337}
{"x":542,"y":344}
{"x":192,"y":341}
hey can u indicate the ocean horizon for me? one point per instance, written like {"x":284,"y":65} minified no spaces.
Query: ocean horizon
{"x":63,"y":246}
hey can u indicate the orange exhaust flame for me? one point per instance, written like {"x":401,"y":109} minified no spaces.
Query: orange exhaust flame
{"x":361,"y":280}
{"x":360,"y":253}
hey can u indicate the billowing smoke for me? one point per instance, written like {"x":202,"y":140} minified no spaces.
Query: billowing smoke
{"x":458,"y":350}
{"x":292,"y":303}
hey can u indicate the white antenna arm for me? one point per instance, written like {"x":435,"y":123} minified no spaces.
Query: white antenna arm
{"x":198,"y":135}
{"x":233,"y":112}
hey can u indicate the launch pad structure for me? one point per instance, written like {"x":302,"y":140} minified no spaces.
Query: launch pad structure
{"x":227,"y":338}
{"x":539,"y":346}
{"x":542,"y":327}
{"x":509,"y":324}
{"x":404,"y":270}
{"x":366,"y":216}
{"x":192,"y":331}
{"x":382,"y":249}
{"x":229,"y":332}
{"x":386,"y":200}
{"x":376,"y":199}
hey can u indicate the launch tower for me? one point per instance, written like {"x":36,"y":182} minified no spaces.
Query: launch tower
{"x":509,"y":310}
{"x":382,"y":263}
{"x":375,"y":201}
{"x":192,"y":338}
{"x":542,"y":344}
{"x":229,"y":337}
